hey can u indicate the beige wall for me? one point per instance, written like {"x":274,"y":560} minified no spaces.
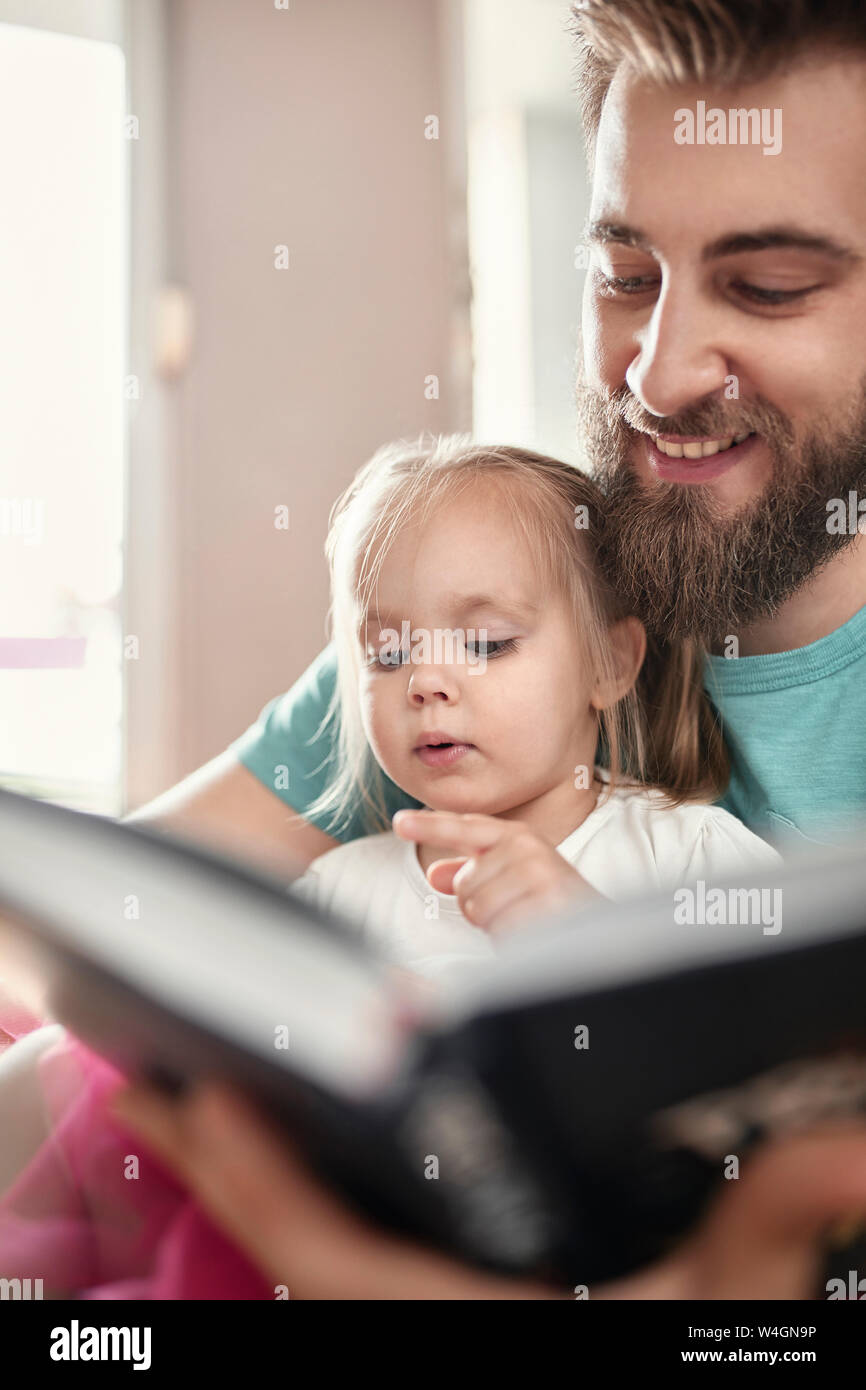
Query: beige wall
{"x":306,"y":128}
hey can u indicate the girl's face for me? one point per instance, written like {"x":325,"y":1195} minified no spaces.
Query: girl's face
{"x":479,"y":661}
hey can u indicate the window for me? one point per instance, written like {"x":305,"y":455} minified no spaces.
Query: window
{"x":527,"y":203}
{"x":63,"y":398}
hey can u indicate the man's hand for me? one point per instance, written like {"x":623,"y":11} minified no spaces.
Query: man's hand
{"x":763,"y":1238}
{"x":296,"y":1231}
{"x":505,"y":872}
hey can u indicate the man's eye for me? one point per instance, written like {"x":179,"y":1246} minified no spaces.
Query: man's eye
{"x":490,"y":649}
{"x":613,"y":285}
{"x":760,"y":295}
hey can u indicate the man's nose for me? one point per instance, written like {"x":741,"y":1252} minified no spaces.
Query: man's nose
{"x":679,"y":359}
{"x":429,"y":684}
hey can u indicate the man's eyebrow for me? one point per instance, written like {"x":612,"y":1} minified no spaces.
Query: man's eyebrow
{"x":732,"y":243}
{"x":602,"y":233}
{"x":779,"y":238}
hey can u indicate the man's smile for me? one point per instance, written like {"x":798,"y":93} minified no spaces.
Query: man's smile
{"x":694,"y":446}
{"x":696,"y":459}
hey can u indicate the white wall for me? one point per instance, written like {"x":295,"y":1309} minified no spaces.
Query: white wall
{"x":305,"y":128}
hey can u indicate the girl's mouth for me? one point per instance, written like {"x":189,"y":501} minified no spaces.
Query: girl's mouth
{"x":442,"y":754}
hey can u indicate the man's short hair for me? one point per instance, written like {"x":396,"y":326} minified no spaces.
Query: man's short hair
{"x":724,"y":42}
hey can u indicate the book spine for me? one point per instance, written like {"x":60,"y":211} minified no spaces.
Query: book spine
{"x":453,"y":1137}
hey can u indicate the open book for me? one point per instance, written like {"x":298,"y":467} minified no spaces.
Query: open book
{"x":567,"y":1111}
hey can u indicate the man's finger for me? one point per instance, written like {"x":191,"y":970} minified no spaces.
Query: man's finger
{"x":766,"y":1234}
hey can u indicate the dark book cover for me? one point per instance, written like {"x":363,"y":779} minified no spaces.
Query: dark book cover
{"x":567,"y":1112}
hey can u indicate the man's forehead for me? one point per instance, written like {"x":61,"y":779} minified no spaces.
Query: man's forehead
{"x":633,"y":99}
{"x":649,"y":182}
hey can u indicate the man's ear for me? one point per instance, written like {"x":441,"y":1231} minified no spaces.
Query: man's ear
{"x":628,"y":647}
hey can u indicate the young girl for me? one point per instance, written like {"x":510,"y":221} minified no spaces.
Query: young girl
{"x":482,"y":665}
{"x":486,"y":668}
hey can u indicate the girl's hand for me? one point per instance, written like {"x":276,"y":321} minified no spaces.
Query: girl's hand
{"x":508,"y":873}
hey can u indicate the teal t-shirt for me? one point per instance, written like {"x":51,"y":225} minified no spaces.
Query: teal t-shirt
{"x":794,"y":722}
{"x":795,"y":725}
{"x":288,"y":749}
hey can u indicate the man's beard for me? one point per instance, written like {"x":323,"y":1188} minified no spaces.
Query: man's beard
{"x":674,"y":557}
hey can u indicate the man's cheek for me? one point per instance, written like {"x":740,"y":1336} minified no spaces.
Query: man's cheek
{"x":604,"y":359}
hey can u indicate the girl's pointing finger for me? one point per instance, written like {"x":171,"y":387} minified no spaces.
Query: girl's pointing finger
{"x":450,"y":830}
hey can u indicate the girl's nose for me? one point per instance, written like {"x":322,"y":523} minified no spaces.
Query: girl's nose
{"x":429,"y":684}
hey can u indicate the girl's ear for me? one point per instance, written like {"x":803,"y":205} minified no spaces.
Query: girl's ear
{"x":628,"y":647}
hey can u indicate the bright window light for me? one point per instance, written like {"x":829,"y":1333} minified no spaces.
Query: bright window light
{"x":63,"y":331}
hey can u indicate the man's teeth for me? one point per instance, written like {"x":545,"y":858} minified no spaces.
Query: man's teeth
{"x":703,"y":450}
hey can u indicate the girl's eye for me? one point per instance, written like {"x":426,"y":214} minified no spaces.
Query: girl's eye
{"x":491,"y":649}
{"x":388,"y":659}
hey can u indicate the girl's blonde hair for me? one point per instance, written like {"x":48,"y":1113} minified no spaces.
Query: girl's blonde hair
{"x":661,"y":732}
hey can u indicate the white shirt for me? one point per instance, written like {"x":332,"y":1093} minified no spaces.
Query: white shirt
{"x":632,"y":843}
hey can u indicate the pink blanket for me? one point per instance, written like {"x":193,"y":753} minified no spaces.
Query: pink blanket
{"x":94,"y":1214}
